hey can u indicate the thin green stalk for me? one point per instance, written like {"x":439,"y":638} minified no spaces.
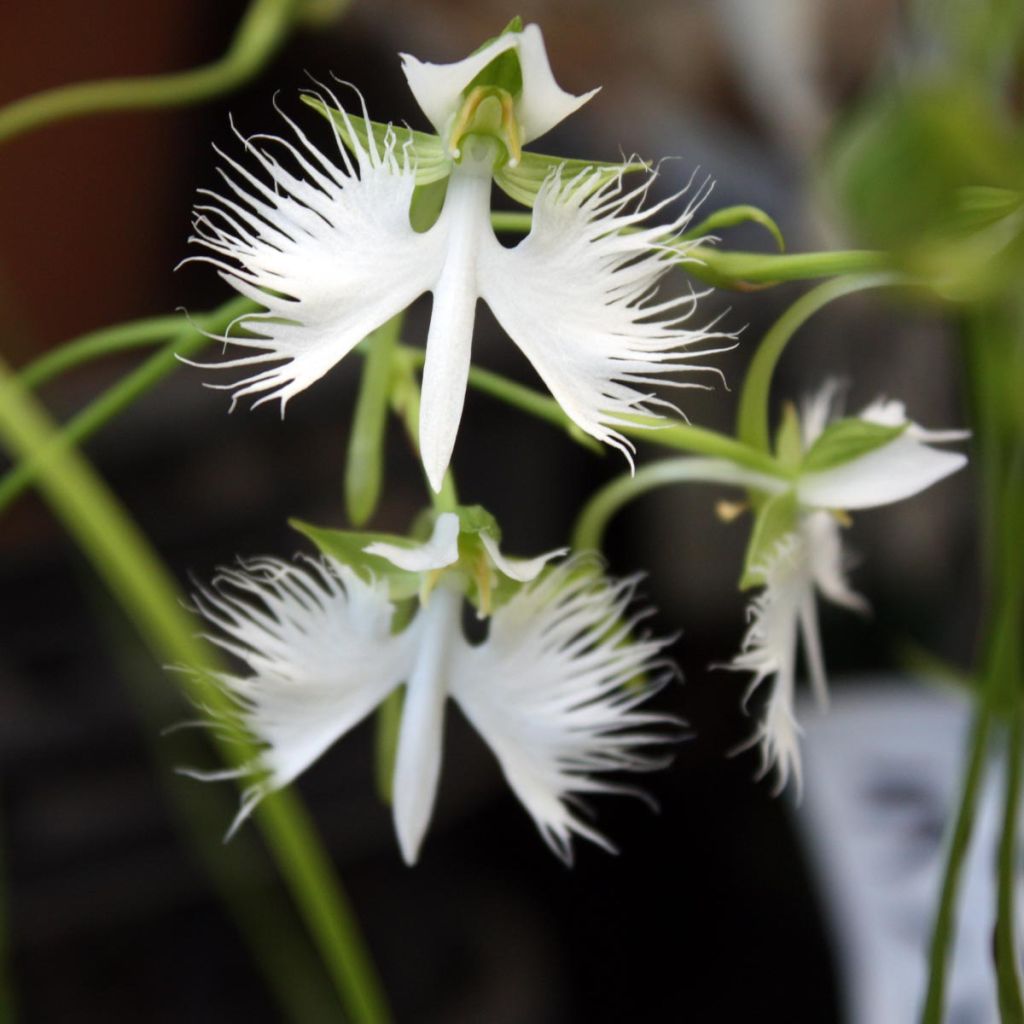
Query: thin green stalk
{"x":752,"y":424}
{"x":945,"y":919}
{"x":741,"y":270}
{"x":131,"y":570}
{"x":592,"y":521}
{"x":364,"y":464}
{"x":97,"y":344}
{"x":131,"y":387}
{"x":1011,"y":1006}
{"x":260,"y":33}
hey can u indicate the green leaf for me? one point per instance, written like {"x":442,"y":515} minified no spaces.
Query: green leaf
{"x":776,"y":518}
{"x":845,"y":440}
{"x":523,"y":182}
{"x":732,"y":216}
{"x":789,"y":448}
{"x":347,"y":547}
{"x":426,"y":151}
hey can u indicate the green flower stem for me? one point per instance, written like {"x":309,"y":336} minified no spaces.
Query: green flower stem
{"x":592,"y":521}
{"x":732,"y":216}
{"x":97,"y":344}
{"x":132,"y":386}
{"x":131,"y":570}
{"x":945,"y":919}
{"x":261,"y":31}
{"x":752,"y":423}
{"x":365,"y":461}
{"x":741,"y":270}
{"x":1011,"y":1007}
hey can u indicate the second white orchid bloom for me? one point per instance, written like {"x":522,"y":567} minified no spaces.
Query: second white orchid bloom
{"x":797,"y":550}
{"x":328,"y":250}
{"x":553,"y":690}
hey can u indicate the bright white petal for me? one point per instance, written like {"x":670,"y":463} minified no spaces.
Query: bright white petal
{"x":439,"y":552}
{"x":330,"y":255}
{"x":817,"y":409}
{"x":317,"y":641}
{"x":892,"y":413}
{"x":438,"y":88}
{"x":543,"y":103}
{"x":554,"y":692}
{"x":825,"y":560}
{"x":437,"y":633}
{"x":465,"y":223}
{"x":769,"y":652}
{"x":577,"y":296}
{"x":522,"y":570}
{"x":897,"y":470}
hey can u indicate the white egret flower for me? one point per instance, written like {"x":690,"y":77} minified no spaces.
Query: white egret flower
{"x":806,"y":556}
{"x":328,"y":250}
{"x":554,"y":689}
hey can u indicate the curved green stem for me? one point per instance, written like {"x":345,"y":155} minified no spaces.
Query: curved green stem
{"x":1011,"y":1006}
{"x":945,"y":918}
{"x":752,"y":425}
{"x":259,"y":34}
{"x":97,"y":344}
{"x":136,"y":383}
{"x":134,"y":574}
{"x":742,"y":270}
{"x":592,"y":521}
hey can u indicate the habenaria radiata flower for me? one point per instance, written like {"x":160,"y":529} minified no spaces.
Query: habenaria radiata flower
{"x":329,"y":250}
{"x":874,"y":459}
{"x":554,"y":689}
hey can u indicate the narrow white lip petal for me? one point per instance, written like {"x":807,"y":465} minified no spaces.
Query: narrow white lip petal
{"x":418,"y":759}
{"x":438,"y":88}
{"x":465,"y":221}
{"x":825,"y":561}
{"x":577,"y":296}
{"x":899,"y":469}
{"x":547,"y":692}
{"x":543,"y":103}
{"x":330,"y":258}
{"x":318,"y":644}
{"x":522,"y":570}
{"x":439,"y":552}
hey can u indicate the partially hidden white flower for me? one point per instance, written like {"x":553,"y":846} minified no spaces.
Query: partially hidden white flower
{"x":328,"y":250}
{"x":809,"y":559}
{"x":554,"y":689}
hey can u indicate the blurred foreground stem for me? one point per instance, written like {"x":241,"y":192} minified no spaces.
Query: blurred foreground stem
{"x":131,"y":570}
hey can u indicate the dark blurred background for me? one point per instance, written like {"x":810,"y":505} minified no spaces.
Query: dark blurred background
{"x":709,"y":912}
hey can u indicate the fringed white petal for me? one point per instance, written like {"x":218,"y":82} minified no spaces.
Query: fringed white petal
{"x":522,"y":570}
{"x":554,"y":692}
{"x":317,"y":641}
{"x":330,"y":255}
{"x":769,"y":652}
{"x":577,"y":296}
{"x":826,"y":561}
{"x":439,"y":552}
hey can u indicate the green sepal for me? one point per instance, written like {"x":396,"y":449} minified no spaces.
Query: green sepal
{"x":845,"y":440}
{"x":505,"y":71}
{"x":731,"y":217}
{"x":426,"y":151}
{"x":474,"y":519}
{"x":524,"y":181}
{"x":347,"y":547}
{"x":789,"y":449}
{"x":776,"y":518}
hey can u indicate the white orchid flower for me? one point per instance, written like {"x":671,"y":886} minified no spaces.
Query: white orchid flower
{"x":328,"y":250}
{"x":553,"y":690}
{"x":799,"y":551}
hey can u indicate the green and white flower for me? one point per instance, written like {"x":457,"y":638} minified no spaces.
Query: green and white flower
{"x":339,"y":243}
{"x":553,"y":690}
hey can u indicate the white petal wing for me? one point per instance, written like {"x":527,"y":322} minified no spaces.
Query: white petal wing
{"x":554,"y":693}
{"x":439,"y":552}
{"x":317,"y":642}
{"x":897,"y":470}
{"x":522,"y":570}
{"x":576,"y":296}
{"x":329,"y":254}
